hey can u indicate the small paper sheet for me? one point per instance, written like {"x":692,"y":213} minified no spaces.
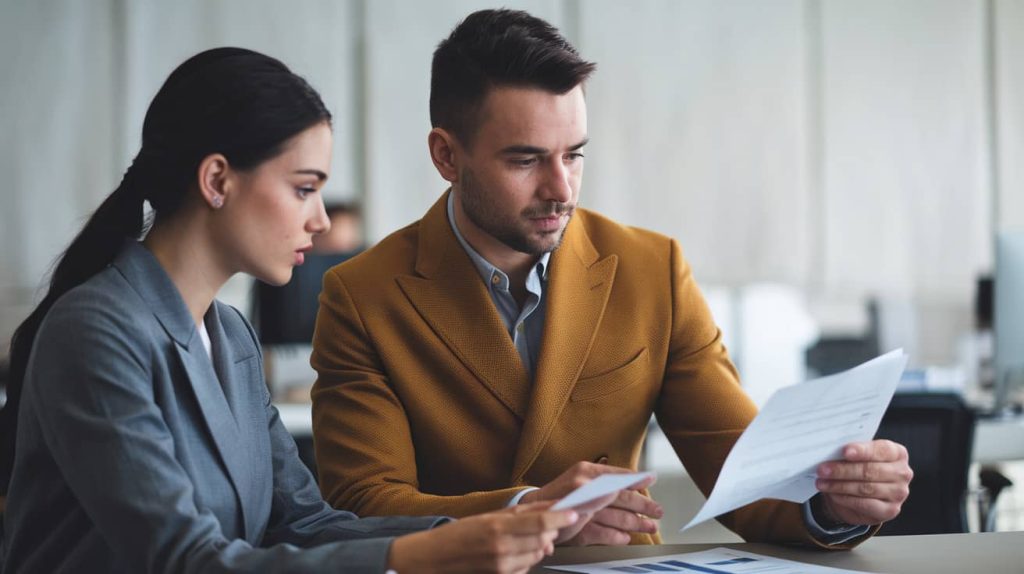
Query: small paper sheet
{"x":717,"y":561}
{"x":800,"y":427}
{"x":600,"y":486}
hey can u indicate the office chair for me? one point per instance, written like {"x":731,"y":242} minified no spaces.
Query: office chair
{"x":938,"y":431}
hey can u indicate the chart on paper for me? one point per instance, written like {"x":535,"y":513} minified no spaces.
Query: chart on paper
{"x":717,"y":561}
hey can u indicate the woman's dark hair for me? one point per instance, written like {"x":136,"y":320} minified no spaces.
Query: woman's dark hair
{"x":231,"y":101}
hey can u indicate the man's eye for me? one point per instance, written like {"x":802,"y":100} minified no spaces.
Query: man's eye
{"x":523,"y":162}
{"x":574,"y":156}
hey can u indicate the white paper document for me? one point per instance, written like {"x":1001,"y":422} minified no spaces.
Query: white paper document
{"x":717,"y":561}
{"x":800,"y":427}
{"x":600,"y":486}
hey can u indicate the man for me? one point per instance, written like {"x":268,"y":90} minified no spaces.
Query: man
{"x":509,"y":340}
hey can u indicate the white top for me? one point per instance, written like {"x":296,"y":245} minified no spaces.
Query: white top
{"x":205,"y":336}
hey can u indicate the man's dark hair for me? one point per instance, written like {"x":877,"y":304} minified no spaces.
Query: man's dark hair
{"x":498,"y":48}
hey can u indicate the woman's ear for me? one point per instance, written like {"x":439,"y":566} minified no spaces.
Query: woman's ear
{"x":213,"y":180}
{"x":444,"y":151}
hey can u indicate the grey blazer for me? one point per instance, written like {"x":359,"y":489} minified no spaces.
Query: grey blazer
{"x":137,"y":453}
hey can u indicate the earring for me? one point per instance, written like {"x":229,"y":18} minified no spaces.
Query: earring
{"x":217,"y":202}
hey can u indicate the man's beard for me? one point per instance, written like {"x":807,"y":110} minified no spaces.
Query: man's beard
{"x":505,"y":227}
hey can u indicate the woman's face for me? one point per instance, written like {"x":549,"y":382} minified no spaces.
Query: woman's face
{"x":273,"y":210}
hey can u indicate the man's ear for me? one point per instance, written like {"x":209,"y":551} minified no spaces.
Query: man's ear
{"x":444,"y":150}
{"x":213,"y":180}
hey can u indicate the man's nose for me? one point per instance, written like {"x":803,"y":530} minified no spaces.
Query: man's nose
{"x":558,"y":183}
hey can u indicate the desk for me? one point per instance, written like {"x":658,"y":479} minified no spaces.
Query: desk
{"x":990,"y":553}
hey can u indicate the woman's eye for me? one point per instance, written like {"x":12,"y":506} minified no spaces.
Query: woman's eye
{"x":304,"y":191}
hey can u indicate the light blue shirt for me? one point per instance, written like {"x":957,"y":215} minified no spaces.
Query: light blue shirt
{"x":526,"y":326}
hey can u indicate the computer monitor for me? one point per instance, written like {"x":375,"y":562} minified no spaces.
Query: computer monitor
{"x":1009,"y":319}
{"x":287,"y":314}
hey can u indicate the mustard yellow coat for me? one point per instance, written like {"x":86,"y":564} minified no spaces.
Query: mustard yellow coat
{"x":422,"y":405}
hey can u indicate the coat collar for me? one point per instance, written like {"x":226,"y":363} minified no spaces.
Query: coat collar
{"x":220,"y":391}
{"x":141,"y":269}
{"x":450,"y":296}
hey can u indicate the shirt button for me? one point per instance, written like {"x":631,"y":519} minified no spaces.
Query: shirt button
{"x":495,"y":279}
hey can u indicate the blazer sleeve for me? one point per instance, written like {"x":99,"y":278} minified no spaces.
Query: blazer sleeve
{"x":364,"y":446}
{"x":91,"y":380}
{"x":703,"y":411}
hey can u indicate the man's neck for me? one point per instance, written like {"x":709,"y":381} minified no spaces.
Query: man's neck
{"x":515,"y":264}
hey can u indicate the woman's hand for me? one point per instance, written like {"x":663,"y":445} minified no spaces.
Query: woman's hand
{"x":507,"y":541}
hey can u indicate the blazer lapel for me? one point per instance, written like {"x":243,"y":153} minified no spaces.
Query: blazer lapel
{"x":218,"y":417}
{"x":234,"y":379}
{"x":141,"y":269}
{"x":225,"y":360}
{"x":453,"y":300}
{"x":579,"y":287}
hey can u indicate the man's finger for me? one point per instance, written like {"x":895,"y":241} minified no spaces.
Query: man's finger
{"x":866,"y":471}
{"x":637,"y":503}
{"x":888,"y":491}
{"x":594,"y":533}
{"x":624,"y":521}
{"x":875,"y":451}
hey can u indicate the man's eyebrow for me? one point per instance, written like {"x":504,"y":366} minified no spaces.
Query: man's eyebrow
{"x":524,"y":150}
{"x":534,"y":150}
{"x":319,"y":174}
{"x":581,"y":144}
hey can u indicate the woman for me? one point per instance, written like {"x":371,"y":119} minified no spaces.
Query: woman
{"x":146,"y":440}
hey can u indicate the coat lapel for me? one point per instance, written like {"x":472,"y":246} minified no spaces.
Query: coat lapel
{"x":218,"y":417}
{"x":141,"y":269}
{"x":579,"y":286}
{"x":448,"y":293}
{"x":230,"y":370}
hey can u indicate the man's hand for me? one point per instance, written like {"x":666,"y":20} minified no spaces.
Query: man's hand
{"x":869,"y":486}
{"x":608,"y":520}
{"x":507,"y":541}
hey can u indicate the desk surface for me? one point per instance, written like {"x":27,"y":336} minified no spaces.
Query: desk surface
{"x":990,"y":553}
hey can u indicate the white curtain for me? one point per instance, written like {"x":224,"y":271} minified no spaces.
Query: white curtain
{"x":839,"y":147}
{"x":1009,"y":55}
{"x":906,"y":187}
{"x":59,"y":116}
{"x":697,"y":121}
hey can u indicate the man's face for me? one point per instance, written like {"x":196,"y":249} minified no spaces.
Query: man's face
{"x":519,"y":182}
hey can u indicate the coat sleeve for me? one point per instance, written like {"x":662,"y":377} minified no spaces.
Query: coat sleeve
{"x":365,"y":453}
{"x":90,"y":379}
{"x":703,"y":411}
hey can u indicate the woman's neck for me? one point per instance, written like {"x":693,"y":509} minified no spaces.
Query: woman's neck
{"x":185,"y":252}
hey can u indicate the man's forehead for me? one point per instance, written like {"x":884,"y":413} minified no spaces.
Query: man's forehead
{"x":518,"y":116}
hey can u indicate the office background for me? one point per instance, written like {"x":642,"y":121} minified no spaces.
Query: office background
{"x":809,"y":155}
